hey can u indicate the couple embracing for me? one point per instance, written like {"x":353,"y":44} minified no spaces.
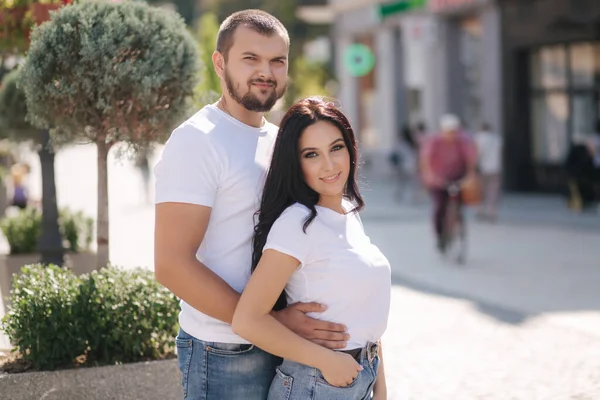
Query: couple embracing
{"x":257,"y":231}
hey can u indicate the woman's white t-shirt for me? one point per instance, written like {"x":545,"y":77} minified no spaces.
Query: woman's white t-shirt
{"x":339,"y":267}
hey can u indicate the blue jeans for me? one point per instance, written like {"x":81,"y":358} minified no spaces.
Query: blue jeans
{"x":296,"y":381}
{"x":219,"y":371}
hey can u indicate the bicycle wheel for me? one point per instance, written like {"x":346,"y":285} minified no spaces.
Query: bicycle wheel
{"x":454,"y":233}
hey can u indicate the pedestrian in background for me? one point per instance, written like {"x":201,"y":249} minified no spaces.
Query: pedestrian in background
{"x":20,"y":196}
{"x":489,"y":163}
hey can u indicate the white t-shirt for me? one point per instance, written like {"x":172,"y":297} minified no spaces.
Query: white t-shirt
{"x":339,"y":267}
{"x":214,"y":160}
{"x":489,"y":148}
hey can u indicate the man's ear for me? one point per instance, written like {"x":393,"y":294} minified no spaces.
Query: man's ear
{"x":218,"y":63}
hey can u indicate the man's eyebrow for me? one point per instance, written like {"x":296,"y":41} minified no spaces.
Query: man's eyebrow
{"x":249,"y":53}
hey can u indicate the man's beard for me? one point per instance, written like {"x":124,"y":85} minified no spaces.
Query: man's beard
{"x":249,"y":100}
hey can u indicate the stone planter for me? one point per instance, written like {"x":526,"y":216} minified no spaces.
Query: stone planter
{"x":80,"y":263}
{"x":155,"y":380}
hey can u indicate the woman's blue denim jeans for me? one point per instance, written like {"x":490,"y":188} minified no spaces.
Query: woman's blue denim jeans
{"x":220,"y":371}
{"x":300,"y":382}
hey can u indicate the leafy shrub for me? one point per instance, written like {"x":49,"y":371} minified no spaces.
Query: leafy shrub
{"x":109,"y":316}
{"x":24,"y":229}
{"x":76,"y":229}
{"x":44,"y":322}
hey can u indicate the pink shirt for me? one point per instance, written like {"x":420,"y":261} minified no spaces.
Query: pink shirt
{"x":448,"y":158}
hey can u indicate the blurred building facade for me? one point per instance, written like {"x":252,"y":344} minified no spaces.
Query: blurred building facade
{"x":529,"y":68}
{"x":435,"y":57}
{"x":551,"y":65}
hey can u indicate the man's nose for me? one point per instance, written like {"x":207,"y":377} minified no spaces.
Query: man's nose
{"x":265,"y":71}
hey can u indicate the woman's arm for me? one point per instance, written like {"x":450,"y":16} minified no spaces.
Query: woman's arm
{"x":252,"y":320}
{"x":380,"y":388}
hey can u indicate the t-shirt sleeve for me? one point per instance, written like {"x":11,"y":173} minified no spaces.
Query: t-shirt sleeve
{"x":188,"y":170}
{"x":288,"y":237}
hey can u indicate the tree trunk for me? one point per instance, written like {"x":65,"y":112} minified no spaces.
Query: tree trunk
{"x":50,"y":245}
{"x":102,"y":218}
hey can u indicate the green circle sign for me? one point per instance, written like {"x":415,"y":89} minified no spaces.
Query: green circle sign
{"x":359,"y":60}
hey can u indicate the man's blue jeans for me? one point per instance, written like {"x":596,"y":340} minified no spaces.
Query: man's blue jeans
{"x":219,"y":371}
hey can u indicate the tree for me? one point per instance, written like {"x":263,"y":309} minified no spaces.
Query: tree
{"x":209,"y":87}
{"x":109,"y":72}
{"x":13,"y":111}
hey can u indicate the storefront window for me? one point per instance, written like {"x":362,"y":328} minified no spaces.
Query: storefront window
{"x":585,"y":69}
{"x":550,"y":113}
{"x":565,"y":86}
{"x":549,"y":68}
{"x":584,"y":113}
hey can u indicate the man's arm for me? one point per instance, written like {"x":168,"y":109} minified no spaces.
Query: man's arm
{"x":179,"y":230}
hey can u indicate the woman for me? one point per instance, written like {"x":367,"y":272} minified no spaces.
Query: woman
{"x":309,"y":240}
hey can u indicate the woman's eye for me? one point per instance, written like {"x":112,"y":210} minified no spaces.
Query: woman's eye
{"x":337,"y":147}
{"x":310,"y":155}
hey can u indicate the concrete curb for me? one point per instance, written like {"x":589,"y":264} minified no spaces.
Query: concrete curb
{"x":155,"y":380}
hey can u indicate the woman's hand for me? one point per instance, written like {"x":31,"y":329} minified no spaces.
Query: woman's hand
{"x":340,"y":369}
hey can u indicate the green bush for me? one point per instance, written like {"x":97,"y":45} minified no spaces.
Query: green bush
{"x":76,"y":229}
{"x":43,"y":321}
{"x":131,"y":316}
{"x":110,"y":316}
{"x":24,"y":229}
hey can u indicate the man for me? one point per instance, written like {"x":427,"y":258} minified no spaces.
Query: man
{"x":208,"y":186}
{"x":448,"y":157}
{"x":489,"y":149}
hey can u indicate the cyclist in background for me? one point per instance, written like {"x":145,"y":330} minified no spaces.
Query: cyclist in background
{"x":447,"y":157}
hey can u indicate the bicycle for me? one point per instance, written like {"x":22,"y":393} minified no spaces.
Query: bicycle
{"x":454,"y":237}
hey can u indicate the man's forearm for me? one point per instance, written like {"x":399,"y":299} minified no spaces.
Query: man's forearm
{"x":201,"y":288}
{"x":269,"y":334}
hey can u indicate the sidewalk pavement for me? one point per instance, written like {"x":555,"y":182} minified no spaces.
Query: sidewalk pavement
{"x":538,"y":259}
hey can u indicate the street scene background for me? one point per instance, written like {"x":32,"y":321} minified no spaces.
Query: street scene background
{"x":521,"y":318}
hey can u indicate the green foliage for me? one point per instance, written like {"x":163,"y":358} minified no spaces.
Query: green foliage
{"x":110,"y":71}
{"x":130,"y":316}
{"x":307,"y":79}
{"x":110,"y":316}
{"x":208,"y":89}
{"x":76,"y":229}
{"x":44,"y":321}
{"x":24,"y":229}
{"x":13,"y":109}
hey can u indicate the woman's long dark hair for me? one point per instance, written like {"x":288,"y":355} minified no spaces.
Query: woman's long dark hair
{"x":285,"y":183}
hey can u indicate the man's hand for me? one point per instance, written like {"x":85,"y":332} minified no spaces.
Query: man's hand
{"x":326,"y":334}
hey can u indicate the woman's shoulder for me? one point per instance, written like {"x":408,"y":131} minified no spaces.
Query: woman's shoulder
{"x":296,"y":211}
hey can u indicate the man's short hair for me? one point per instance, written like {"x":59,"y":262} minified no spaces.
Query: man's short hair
{"x":257,"y":20}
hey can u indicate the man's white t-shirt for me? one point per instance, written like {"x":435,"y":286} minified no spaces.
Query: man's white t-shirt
{"x":339,"y":267}
{"x":214,"y":160}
